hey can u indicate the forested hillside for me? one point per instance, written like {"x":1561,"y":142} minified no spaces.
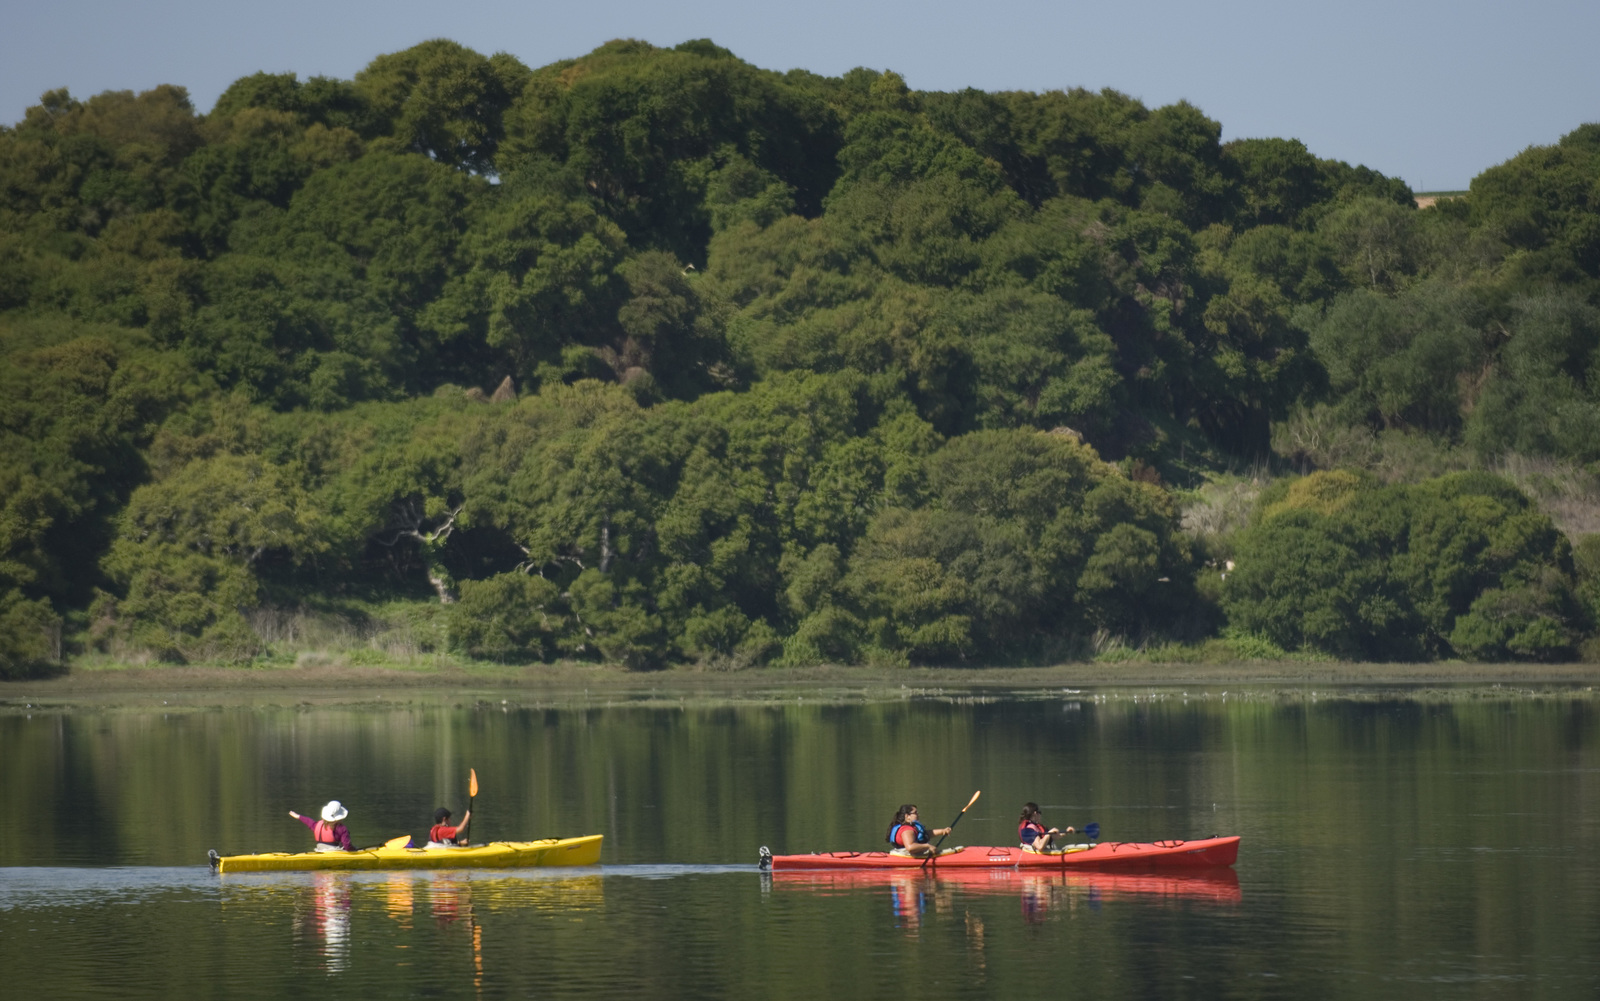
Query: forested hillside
{"x":653,"y":357}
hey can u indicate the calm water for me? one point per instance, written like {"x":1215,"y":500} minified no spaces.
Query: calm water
{"x":1393,"y":848}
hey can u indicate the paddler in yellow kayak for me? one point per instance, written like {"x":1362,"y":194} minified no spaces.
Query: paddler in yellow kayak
{"x":441,"y":835}
{"x":330,"y":833}
{"x":908,"y":835}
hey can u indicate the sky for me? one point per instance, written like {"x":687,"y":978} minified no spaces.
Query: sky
{"x":1431,"y":91}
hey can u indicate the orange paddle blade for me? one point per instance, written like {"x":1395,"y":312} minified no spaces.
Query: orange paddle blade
{"x":472,"y":782}
{"x":971,"y":801}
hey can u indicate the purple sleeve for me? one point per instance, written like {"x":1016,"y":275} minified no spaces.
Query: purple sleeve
{"x":342,"y":835}
{"x":308,"y":821}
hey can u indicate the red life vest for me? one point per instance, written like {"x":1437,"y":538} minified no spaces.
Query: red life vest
{"x":441,"y":833}
{"x":919,"y":832}
{"x":322,"y":833}
{"x":1029,"y":831}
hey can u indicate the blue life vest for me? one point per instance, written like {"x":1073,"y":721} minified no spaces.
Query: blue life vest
{"x":894,"y":833}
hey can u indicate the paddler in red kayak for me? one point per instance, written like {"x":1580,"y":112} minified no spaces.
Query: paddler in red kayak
{"x":330,"y":833}
{"x":1032,"y":832}
{"x":908,"y":835}
{"x":441,"y":835}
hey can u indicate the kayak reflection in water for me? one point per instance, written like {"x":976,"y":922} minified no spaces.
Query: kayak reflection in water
{"x":441,"y":835}
{"x":1036,"y":895}
{"x":908,"y":900}
{"x":327,"y":918}
{"x":1031,"y":830}
{"x":908,"y":835}
{"x":329,"y":833}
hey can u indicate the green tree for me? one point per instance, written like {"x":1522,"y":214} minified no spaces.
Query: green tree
{"x":190,"y":545}
{"x":1394,"y":362}
{"x":1279,"y":181}
{"x":1025,"y":541}
{"x":648,"y":129}
{"x":1375,"y":241}
{"x":30,"y":636}
{"x":1543,"y":395}
{"x":443,"y":100}
{"x":541,"y":278}
{"x":1460,"y":564}
{"x":510,"y":617}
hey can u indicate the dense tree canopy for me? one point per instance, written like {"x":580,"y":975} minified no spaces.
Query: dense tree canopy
{"x":655,"y":356}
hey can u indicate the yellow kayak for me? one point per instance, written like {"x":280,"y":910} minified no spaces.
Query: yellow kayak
{"x":496,"y":854}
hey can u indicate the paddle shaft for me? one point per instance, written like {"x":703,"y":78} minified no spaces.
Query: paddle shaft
{"x":1091,"y":830}
{"x":956,"y":821}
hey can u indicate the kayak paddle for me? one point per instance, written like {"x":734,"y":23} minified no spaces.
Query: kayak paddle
{"x":472,"y":789}
{"x":1090,"y":831}
{"x":956,"y":821}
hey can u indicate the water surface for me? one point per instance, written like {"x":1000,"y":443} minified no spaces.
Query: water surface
{"x":1393,"y":847}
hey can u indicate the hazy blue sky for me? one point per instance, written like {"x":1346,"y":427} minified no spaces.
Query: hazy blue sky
{"x":1428,"y":90}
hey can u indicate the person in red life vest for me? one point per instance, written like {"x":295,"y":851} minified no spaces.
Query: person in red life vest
{"x":330,"y":833}
{"x":1031,"y":830}
{"x":440,"y":835}
{"x":908,"y":835}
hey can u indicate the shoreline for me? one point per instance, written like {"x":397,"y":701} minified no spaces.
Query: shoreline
{"x":561,"y":685}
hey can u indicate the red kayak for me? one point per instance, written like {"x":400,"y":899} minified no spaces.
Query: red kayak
{"x":1105,"y":855}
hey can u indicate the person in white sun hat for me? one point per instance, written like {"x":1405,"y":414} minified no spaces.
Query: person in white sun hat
{"x":330,"y":833}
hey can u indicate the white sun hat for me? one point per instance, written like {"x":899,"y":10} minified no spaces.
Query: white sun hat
{"x":334,"y":812}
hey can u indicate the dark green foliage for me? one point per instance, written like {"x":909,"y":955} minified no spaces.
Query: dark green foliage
{"x":1544,"y":396}
{"x":1462,"y":565}
{"x":1301,"y":265}
{"x":1544,"y":202}
{"x":539,"y":277}
{"x":510,"y":617}
{"x":653,"y":356}
{"x":1280,"y":182}
{"x":442,"y":100}
{"x":77,"y":405}
{"x":646,"y":129}
{"x":1394,"y":361}
{"x":1022,"y":540}
{"x":30,"y":636}
{"x":189,"y":548}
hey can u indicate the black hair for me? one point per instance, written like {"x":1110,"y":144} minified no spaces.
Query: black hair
{"x":441,"y":815}
{"x":1029,"y":811}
